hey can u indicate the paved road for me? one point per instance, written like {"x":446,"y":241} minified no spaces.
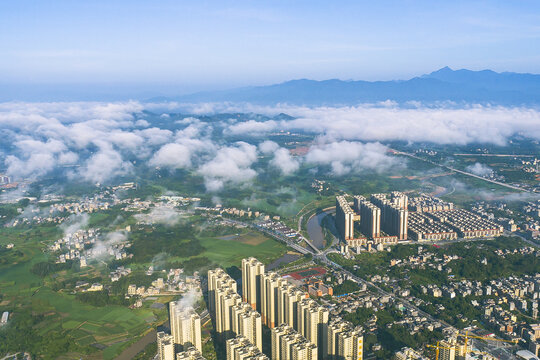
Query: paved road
{"x":501,"y":350}
{"x":405,"y":303}
{"x":460,"y":171}
{"x":530,"y":242}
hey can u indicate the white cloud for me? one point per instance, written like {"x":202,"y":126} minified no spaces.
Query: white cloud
{"x":103,"y":247}
{"x":142,"y":123}
{"x":75,"y":222}
{"x":104,"y":165}
{"x":346,"y":156}
{"x":175,"y":156}
{"x":45,"y":136}
{"x":155,"y":136}
{"x":231,"y":164}
{"x":284,"y":161}
{"x":34,"y":165}
{"x":387,"y":121}
{"x":161,"y":214}
{"x":68,"y":158}
{"x":252,"y":127}
{"x":268,"y":147}
{"x":479,"y":169}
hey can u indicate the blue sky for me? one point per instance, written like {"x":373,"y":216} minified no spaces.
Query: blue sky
{"x":197,"y":45}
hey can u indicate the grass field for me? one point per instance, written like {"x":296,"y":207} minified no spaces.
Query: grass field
{"x":231,"y":252}
{"x":23,"y":292}
{"x":250,"y":238}
{"x":112,"y":327}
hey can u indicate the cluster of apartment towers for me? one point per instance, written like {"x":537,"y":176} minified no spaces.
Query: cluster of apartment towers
{"x":300,"y":327}
{"x":382,"y":212}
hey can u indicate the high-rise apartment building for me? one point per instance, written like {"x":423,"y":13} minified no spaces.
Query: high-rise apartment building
{"x":453,"y":349}
{"x":288,"y":298}
{"x":247,"y":322}
{"x":313,"y":324}
{"x":232,"y":317}
{"x":345,"y":218}
{"x":370,"y":217}
{"x":399,"y":200}
{"x":217,"y":279}
{"x":270,"y":282}
{"x":304,"y":351}
{"x":447,"y":351}
{"x":394,"y":213}
{"x":185,"y":326}
{"x":335,"y":326}
{"x":350,"y":345}
{"x":252,"y":269}
{"x":287,"y":344}
{"x":344,"y":341}
{"x":190,"y":354}
{"x":165,"y":346}
{"x":226,"y":299}
{"x":239,"y":348}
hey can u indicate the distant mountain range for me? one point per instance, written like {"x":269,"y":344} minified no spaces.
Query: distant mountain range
{"x":460,"y":86}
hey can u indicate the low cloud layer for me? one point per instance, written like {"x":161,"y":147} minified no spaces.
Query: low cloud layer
{"x":97,"y":142}
{"x":479,"y":169}
{"x":387,"y":121}
{"x":104,"y":247}
{"x":232,"y":164}
{"x":282,"y":160}
{"x":348,"y":156}
{"x":161,"y":214}
{"x":75,"y":222}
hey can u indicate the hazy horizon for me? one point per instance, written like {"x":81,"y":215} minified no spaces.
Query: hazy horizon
{"x":183,"y":48}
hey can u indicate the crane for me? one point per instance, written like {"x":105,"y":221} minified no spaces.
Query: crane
{"x":438,"y":347}
{"x":467,"y":337}
{"x":486,"y":338}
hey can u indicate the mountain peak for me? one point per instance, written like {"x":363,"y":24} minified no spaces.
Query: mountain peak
{"x":444,"y":70}
{"x":445,"y":84}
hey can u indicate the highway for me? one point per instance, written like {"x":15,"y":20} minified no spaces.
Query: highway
{"x":459,"y":171}
{"x":371,"y":285}
{"x":502,"y":351}
{"x":322,"y":256}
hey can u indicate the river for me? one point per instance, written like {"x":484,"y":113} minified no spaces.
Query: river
{"x":314,"y":229}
